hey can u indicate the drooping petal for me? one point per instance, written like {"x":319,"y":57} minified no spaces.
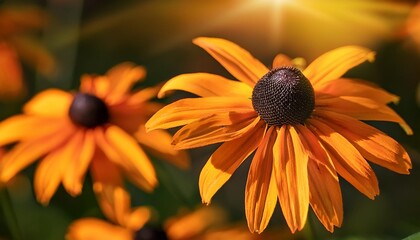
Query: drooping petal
{"x":334,"y":64}
{"x":324,"y":189}
{"x":239,"y":62}
{"x":356,"y":88}
{"x":49,"y":103}
{"x":291,"y":171}
{"x":281,"y":60}
{"x":79,"y":157}
{"x":189,"y":110}
{"x":261,"y":190}
{"x":138,"y":217}
{"x":131,"y":153}
{"x":216,"y":128}
{"x":158,"y":143}
{"x":373,"y":144}
{"x":107,"y":178}
{"x":48,"y":176}
{"x":206,"y":85}
{"x":361,"y":108}
{"x":95,"y":229}
{"x":143,"y":95}
{"x":347,"y":160}
{"x":226,"y":159}
{"x":29,"y":151}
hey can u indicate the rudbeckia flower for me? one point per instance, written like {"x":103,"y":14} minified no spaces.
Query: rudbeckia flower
{"x":124,"y":221}
{"x":98,"y":128}
{"x":303,"y":125}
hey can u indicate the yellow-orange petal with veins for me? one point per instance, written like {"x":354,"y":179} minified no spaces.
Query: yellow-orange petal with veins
{"x":226,"y":159}
{"x":95,"y":229}
{"x":291,"y":171}
{"x":335,"y":63}
{"x":373,"y":144}
{"x":189,"y":110}
{"x":357,"y":88}
{"x":158,"y":143}
{"x":261,"y":190}
{"x":206,"y":85}
{"x":130,"y":151}
{"x":25,"y":153}
{"x":324,"y":188}
{"x":238,"y":61}
{"x":216,"y":128}
{"x":49,"y":103}
{"x":48,"y":176}
{"x":282,"y":60}
{"x":347,"y":160}
{"x":80,"y":159}
{"x":362,"y":109}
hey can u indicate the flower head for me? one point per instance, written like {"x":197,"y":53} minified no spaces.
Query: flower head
{"x":97,"y":128}
{"x":303,"y":125}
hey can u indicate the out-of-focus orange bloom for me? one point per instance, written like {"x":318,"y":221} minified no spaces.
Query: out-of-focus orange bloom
{"x":16,"y":44}
{"x":411,"y":29}
{"x":96,"y":129}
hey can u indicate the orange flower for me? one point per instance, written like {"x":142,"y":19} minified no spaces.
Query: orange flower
{"x":14,"y":42}
{"x":304,"y":127}
{"x":116,"y":206}
{"x":92,"y":129}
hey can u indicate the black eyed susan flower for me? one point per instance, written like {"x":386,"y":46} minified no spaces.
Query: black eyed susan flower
{"x":96,"y":129}
{"x":303,"y":125}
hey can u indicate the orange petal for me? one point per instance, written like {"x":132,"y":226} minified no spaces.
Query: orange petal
{"x":349,"y":163}
{"x":49,"y":103}
{"x":158,"y":143}
{"x":122,"y":78}
{"x":48,"y":176}
{"x":282,"y":60}
{"x":373,"y":144}
{"x":324,"y":189}
{"x":334,"y":64}
{"x":80,"y":156}
{"x":138,"y":217}
{"x":29,"y":151}
{"x":130,"y":152}
{"x":95,"y":229}
{"x":24,"y":127}
{"x":206,"y":85}
{"x":11,"y":79}
{"x":189,"y":110}
{"x":226,"y":159}
{"x":291,"y":170}
{"x":261,"y":190}
{"x":239,"y":62}
{"x":216,"y":128}
{"x":362,"y":109}
{"x":96,"y":85}
{"x":356,"y":88}
{"x":143,"y":95}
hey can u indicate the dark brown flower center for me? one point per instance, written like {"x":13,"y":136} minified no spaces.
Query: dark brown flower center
{"x":283,"y":96}
{"x":88,"y":110}
{"x":150,"y":233}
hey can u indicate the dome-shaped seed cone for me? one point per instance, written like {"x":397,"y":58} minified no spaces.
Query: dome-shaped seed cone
{"x":88,"y":110}
{"x":283,"y":96}
{"x":150,"y":233}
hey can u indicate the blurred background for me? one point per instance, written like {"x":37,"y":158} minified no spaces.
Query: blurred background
{"x":51,"y":43}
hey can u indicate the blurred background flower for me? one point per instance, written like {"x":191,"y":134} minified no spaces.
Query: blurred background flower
{"x":88,"y":36}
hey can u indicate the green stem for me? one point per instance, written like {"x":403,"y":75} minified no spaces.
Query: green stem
{"x":9,"y":214}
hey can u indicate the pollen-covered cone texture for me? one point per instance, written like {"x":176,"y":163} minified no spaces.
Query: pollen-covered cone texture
{"x":59,"y":129}
{"x":295,"y":164}
{"x":115,"y":203}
